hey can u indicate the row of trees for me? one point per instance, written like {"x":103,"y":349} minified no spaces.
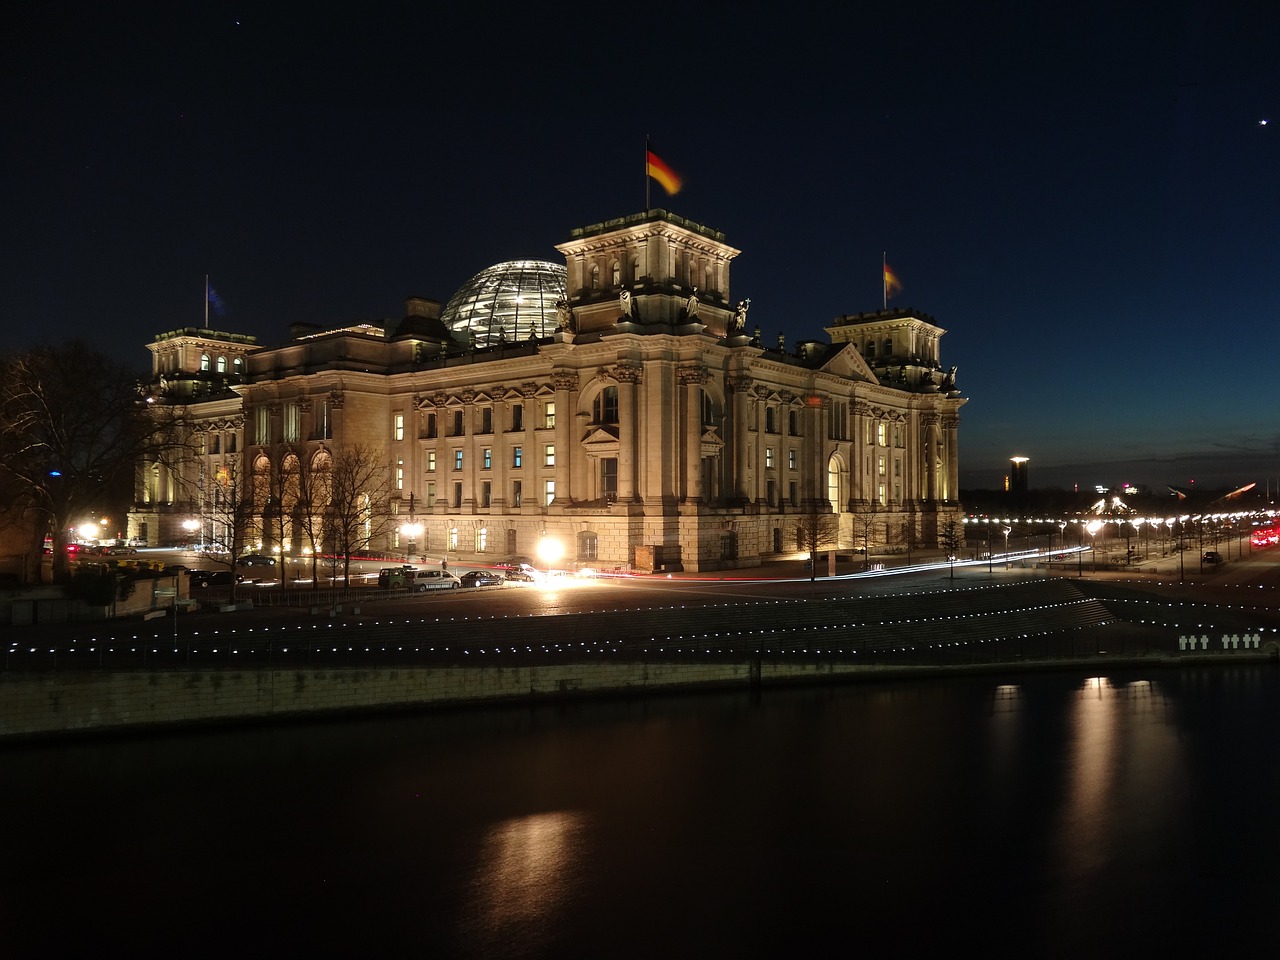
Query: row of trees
{"x":75,"y":425}
{"x":334,"y":502}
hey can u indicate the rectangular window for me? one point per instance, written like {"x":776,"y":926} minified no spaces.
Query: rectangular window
{"x":793,"y":492}
{"x":486,"y":420}
{"x":609,"y":478}
{"x":517,"y":416}
{"x":457,"y":493}
{"x":399,"y":474}
{"x":292,"y":423}
{"x":880,"y":467}
{"x":791,"y":459}
{"x":550,"y":459}
{"x":453,"y":539}
{"x":429,"y":430}
{"x":486,"y":493}
{"x":262,"y":425}
{"x":431,"y":495}
{"x":516,"y":455}
{"x":549,"y":414}
{"x":880,"y":433}
{"x":431,"y":461}
{"x":550,"y":492}
{"x":487,"y":457}
{"x":232,"y":442}
{"x":517,"y":493}
{"x":482,"y":539}
{"x":217,"y":443}
{"x":771,"y":492}
{"x":457,"y":459}
{"x":397,"y":427}
{"x":768,"y":458}
{"x":323,"y":423}
{"x":457,"y":423}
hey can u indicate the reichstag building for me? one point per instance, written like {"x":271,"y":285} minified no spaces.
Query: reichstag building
{"x":620,"y":403}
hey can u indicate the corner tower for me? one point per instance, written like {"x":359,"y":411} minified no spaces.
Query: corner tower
{"x":650,"y":270}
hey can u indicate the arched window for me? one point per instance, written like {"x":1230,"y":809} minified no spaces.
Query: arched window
{"x":595,"y":276}
{"x":237,"y":366}
{"x":222,"y":364}
{"x":588,"y":546}
{"x":888,"y":347}
{"x":617,"y":273}
{"x":871,"y":350}
{"x":605,"y":407}
{"x":204,"y":361}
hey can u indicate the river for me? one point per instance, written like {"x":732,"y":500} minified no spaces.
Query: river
{"x":1047,"y":814}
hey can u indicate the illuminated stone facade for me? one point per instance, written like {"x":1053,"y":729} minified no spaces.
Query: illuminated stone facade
{"x":652,"y":430}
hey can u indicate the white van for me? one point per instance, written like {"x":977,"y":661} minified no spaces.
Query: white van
{"x":420,"y":581}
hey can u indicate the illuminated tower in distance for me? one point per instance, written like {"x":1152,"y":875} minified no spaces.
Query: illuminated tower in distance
{"x":1017,"y":482}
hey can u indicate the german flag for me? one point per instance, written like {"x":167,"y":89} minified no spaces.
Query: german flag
{"x":659,"y":170}
{"x":891,"y":284}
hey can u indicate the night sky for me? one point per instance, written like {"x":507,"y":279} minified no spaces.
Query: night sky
{"x":1085,"y":197}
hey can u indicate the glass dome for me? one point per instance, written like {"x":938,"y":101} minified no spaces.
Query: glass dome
{"x":517,"y":298}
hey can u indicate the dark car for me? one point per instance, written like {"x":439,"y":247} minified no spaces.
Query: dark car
{"x":212,"y":578}
{"x":256,"y":560}
{"x":481,"y":578}
{"x":1212,"y":556}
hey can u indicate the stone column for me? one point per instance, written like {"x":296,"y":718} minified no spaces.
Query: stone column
{"x":739,"y":396}
{"x":628,"y":376}
{"x":692,"y":378}
{"x":565,"y":385}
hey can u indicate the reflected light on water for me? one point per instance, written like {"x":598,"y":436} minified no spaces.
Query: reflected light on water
{"x":525,"y":874}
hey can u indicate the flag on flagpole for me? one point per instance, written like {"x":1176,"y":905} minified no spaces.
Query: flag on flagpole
{"x":891,"y":284}
{"x":659,"y":170}
{"x":215,"y":301}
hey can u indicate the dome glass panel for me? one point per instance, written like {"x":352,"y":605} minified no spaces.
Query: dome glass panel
{"x":514,"y":300}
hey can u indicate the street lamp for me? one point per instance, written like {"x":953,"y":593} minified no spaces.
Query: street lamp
{"x":1093,"y":526}
{"x":191,"y":526}
{"x":412,"y":530}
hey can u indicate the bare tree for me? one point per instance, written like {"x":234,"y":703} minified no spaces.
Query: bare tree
{"x":280,"y":506}
{"x":864,"y":525}
{"x":315,"y":481}
{"x":231,"y":510}
{"x":359,"y":489}
{"x":951,"y":537}
{"x":814,"y":528}
{"x":73,"y":426}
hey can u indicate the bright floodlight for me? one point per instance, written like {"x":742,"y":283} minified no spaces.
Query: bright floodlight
{"x":550,"y":550}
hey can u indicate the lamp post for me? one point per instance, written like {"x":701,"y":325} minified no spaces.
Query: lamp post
{"x":412,"y":530}
{"x":191,"y":526}
{"x":1093,"y":526}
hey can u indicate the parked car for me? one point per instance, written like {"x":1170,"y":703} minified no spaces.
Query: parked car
{"x":420,"y":581}
{"x":1212,"y":556}
{"x":393,"y":578}
{"x":212,"y":578}
{"x":118,"y":550}
{"x":517,"y":563}
{"x":481,"y":578}
{"x":256,"y":560}
{"x":523,"y":574}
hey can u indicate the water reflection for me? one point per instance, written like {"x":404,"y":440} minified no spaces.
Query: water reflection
{"x":527,"y":871}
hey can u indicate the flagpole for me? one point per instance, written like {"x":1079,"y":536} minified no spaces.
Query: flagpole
{"x":206,"y":301}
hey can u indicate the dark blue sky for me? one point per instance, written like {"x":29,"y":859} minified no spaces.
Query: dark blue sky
{"x":1083,"y":197}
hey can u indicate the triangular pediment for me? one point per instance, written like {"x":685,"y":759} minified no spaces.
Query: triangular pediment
{"x":849,"y":363}
{"x":601,"y":437}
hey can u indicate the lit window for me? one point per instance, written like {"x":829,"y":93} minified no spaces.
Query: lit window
{"x":550,"y":455}
{"x":549,"y":412}
{"x":487,"y":455}
{"x":517,"y":455}
{"x":551,"y":492}
{"x":399,"y":474}
{"x":431,"y":461}
{"x":457,"y":459}
{"x":881,"y":433}
{"x":768,"y":458}
{"x":397,"y":427}
{"x":222,"y":364}
{"x":791,"y":459}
